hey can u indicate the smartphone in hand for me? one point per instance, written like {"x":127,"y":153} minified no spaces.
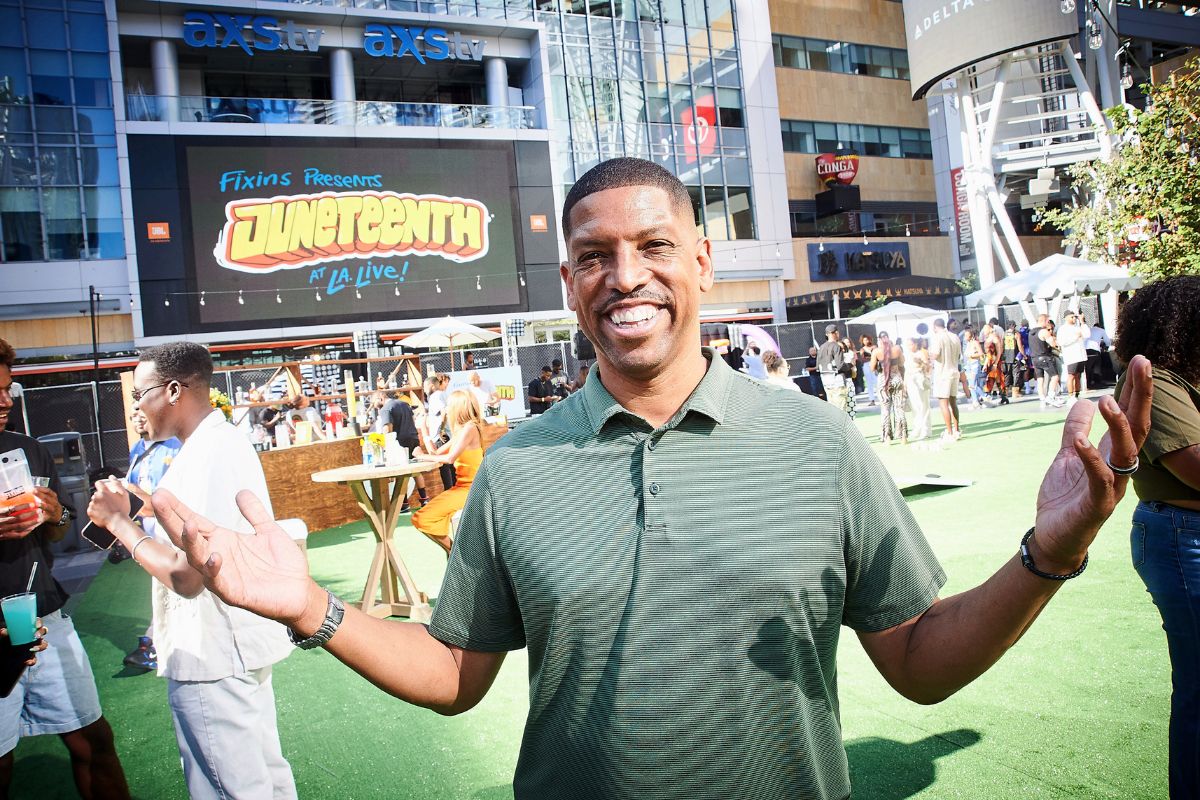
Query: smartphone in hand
{"x":103,"y":538}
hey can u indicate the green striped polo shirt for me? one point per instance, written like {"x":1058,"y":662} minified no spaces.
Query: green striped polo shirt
{"x":681,"y":589}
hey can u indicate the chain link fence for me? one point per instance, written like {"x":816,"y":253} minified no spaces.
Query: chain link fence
{"x":78,"y":407}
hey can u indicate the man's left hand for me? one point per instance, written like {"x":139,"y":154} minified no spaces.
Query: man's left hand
{"x":48,"y":505}
{"x":1079,"y":491}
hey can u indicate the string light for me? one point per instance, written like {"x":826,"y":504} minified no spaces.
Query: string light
{"x":202,"y":298}
{"x":318,"y":295}
{"x":1095,"y":33}
{"x":278,"y":299}
{"x":821,"y":247}
{"x":777,"y":251}
{"x":241,"y":300}
{"x":1126,"y":77}
{"x":1067,"y":6}
{"x":478,"y":285}
{"x":522,"y":276}
{"x":908,"y":230}
{"x":167,"y":302}
{"x":357,"y":294}
{"x":437,"y":285}
{"x":396,"y":290}
{"x":866,"y":242}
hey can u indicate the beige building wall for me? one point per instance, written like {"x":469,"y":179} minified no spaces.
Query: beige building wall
{"x":857,"y":99}
{"x":66,"y":331}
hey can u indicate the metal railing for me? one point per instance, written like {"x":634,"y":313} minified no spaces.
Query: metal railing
{"x":286,"y":111}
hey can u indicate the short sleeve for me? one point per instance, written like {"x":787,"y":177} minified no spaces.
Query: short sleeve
{"x":1174,"y":418}
{"x":477,"y":607}
{"x":892,"y":574}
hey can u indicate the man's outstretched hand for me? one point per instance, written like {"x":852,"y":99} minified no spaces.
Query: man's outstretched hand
{"x":263,"y":572}
{"x":1079,"y":491}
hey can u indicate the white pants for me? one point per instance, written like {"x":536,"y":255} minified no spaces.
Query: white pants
{"x":229,"y":739}
{"x":918,"y":398}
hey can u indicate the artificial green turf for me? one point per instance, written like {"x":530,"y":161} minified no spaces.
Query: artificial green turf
{"x":1077,"y":709}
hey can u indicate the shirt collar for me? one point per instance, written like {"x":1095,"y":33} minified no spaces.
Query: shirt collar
{"x":707,"y":399}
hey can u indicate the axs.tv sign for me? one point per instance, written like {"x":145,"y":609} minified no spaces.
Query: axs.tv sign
{"x":248,"y":32}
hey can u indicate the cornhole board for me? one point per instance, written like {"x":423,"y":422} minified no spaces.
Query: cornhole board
{"x":930,"y":482}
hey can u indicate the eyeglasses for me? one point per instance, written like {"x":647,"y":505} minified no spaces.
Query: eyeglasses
{"x":138,"y":394}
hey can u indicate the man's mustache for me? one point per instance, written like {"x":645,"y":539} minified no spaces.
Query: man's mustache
{"x":647,"y":295}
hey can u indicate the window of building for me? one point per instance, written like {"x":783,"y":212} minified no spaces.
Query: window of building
{"x":804,"y":136}
{"x":59,"y":196}
{"x":632,"y":77}
{"x":799,"y":52}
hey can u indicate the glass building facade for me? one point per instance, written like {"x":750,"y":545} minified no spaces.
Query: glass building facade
{"x":59,"y":188}
{"x":659,"y":80}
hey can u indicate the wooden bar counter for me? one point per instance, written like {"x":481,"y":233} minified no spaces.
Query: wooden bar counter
{"x":327,"y":505}
{"x":294,"y":495}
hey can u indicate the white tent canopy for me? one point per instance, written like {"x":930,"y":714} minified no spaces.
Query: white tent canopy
{"x":449,"y":332}
{"x":1054,"y":277}
{"x":900,"y":320}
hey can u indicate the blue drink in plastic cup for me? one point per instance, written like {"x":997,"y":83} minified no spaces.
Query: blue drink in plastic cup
{"x":20,"y":617}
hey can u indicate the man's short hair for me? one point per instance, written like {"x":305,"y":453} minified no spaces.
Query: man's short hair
{"x":619,"y":172}
{"x":8,"y":356}
{"x":939,"y":323}
{"x":547,"y":369}
{"x":186,"y":362}
{"x":556,"y":362}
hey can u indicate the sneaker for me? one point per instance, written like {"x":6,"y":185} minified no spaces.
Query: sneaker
{"x":144,"y":657}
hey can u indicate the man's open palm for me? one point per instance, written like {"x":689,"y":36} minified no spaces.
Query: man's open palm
{"x":1079,"y":491}
{"x":263,"y":572}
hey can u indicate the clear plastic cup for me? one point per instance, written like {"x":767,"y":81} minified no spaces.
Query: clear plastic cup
{"x":20,"y":617}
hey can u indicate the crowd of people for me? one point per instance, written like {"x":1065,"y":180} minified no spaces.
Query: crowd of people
{"x":623,"y":687}
{"x":987,"y":368}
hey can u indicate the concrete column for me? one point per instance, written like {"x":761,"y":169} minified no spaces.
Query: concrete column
{"x":495,"y":73}
{"x":164,"y":64}
{"x":341,"y":81}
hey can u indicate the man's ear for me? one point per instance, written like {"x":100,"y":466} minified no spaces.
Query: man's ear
{"x":705,"y":263}
{"x":564,"y":270}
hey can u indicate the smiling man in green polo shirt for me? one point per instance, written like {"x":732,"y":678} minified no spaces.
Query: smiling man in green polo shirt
{"x":682,"y":634}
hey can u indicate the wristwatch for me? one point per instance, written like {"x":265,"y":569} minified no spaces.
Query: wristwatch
{"x":333,"y":618}
{"x":64,"y":519}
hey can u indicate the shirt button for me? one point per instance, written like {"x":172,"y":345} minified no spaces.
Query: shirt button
{"x":653,"y":488}
{"x":651,"y":444}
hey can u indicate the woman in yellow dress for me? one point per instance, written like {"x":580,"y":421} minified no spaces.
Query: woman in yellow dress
{"x":465,"y":452}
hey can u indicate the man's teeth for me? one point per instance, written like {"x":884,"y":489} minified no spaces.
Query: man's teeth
{"x":627,"y":316}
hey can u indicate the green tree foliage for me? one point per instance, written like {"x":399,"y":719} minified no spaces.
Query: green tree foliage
{"x":1150,"y":184}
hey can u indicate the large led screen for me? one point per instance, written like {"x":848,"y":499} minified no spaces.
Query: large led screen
{"x":946,"y":35}
{"x":381,"y":231}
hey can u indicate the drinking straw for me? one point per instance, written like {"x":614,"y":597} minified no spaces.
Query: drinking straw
{"x":32,"y":572}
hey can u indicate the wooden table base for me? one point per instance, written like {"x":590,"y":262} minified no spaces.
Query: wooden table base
{"x":390,"y":590}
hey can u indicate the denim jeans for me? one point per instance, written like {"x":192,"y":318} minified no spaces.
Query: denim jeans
{"x":1165,"y":544}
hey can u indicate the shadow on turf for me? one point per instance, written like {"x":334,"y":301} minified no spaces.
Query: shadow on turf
{"x":884,"y":769}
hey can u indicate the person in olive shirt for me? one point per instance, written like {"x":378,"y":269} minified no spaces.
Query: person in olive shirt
{"x":644,"y":684}
{"x":1162,"y":321}
{"x":58,"y":696}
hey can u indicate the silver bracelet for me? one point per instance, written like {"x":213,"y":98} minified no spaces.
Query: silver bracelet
{"x":136,"y":545}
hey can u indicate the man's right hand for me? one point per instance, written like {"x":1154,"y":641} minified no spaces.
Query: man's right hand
{"x":263,"y":572}
{"x":18,"y":521}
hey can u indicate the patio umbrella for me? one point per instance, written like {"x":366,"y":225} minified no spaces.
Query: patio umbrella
{"x":449,"y":332}
{"x":1053,"y":277}
{"x":899,"y":319}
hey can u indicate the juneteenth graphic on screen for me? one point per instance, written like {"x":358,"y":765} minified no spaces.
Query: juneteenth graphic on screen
{"x":372,"y":231}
